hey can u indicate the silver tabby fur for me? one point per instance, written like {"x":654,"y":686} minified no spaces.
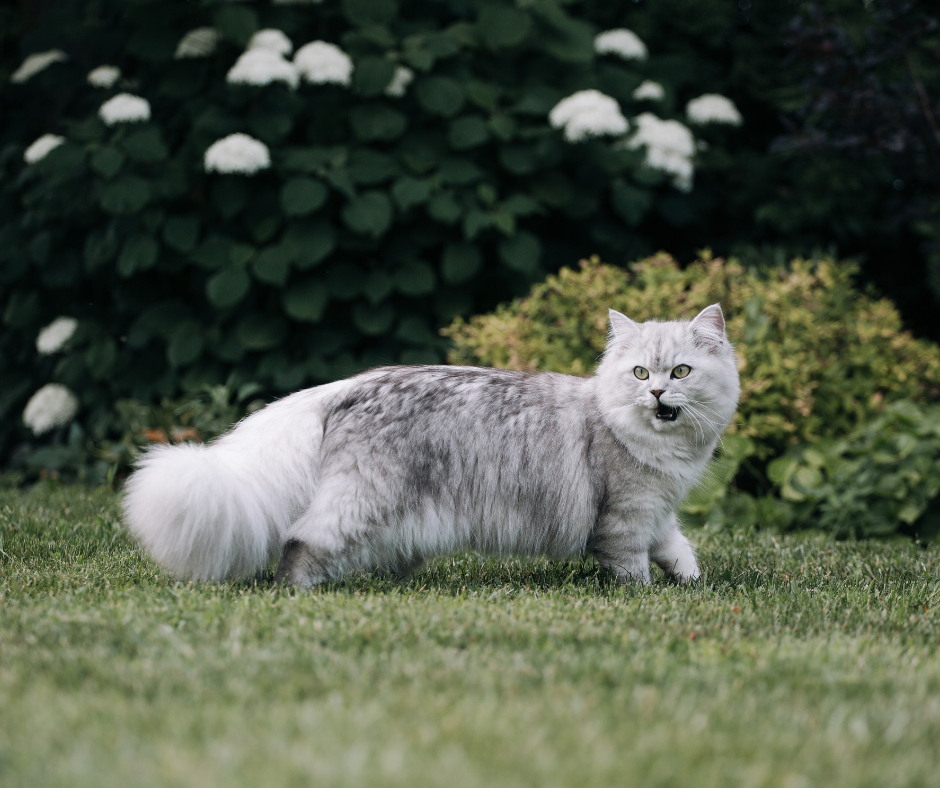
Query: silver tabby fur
{"x":397,"y":465}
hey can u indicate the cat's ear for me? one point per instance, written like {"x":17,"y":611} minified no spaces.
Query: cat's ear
{"x":623,"y":330}
{"x":708,"y":328}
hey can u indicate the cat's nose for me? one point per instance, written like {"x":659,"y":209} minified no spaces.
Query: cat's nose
{"x":656,"y":392}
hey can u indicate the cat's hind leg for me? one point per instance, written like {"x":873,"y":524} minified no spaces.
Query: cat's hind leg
{"x":675,"y":555}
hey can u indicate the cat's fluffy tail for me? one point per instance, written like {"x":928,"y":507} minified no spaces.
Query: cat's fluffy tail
{"x":221,"y":511}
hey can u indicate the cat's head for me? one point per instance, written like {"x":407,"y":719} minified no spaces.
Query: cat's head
{"x":670,"y":377}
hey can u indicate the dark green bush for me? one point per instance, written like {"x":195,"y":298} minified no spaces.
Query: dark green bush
{"x":380,"y":218}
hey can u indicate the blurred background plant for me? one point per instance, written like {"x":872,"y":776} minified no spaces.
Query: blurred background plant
{"x":205,"y":199}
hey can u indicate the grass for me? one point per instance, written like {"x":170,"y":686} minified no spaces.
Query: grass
{"x":796,"y":662}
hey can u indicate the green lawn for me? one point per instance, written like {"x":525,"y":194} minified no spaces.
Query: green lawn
{"x":797,"y":661}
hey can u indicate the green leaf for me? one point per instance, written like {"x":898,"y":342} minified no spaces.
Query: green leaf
{"x":186,"y":343}
{"x":139,"y":253}
{"x":519,"y":159}
{"x":444,"y":208}
{"x":367,"y":166}
{"x":409,"y":192}
{"x":227,"y":288}
{"x":126,"y":194}
{"x":363,"y":13}
{"x":460,"y":262}
{"x":236,"y":22}
{"x":372,"y":75}
{"x":305,"y":300}
{"x":100,"y":248}
{"x":107,"y":161}
{"x":145,"y":145}
{"x":344,"y":280}
{"x":22,"y":309}
{"x":440,"y":95}
{"x":302,"y":196}
{"x":181,"y":232}
{"x":570,"y":41}
{"x":475,"y":222}
{"x":309,"y":243}
{"x":100,"y":357}
{"x":213,"y":253}
{"x":503,"y":26}
{"x":377,"y":122}
{"x":377,"y":287}
{"x":521,"y":252}
{"x":260,"y":331}
{"x":271,"y":127}
{"x":272,"y":266}
{"x":468,"y":132}
{"x":415,"y":279}
{"x":368,"y":214}
{"x":522,"y":205}
{"x":631,"y":203}
{"x":373,"y":320}
{"x":310,"y":160}
{"x":415,"y":329}
{"x":483,"y":94}
{"x":229,"y":195}
{"x":459,"y":171}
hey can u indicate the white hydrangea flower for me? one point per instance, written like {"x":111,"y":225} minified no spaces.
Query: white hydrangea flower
{"x":320,"y":62}
{"x":262,"y":67}
{"x":670,"y":147}
{"x":54,"y":336}
{"x":33,"y":64}
{"x":41,"y":147}
{"x":713,"y":108}
{"x":649,"y":91}
{"x":401,"y":79}
{"x":124,"y":108}
{"x":588,"y":113}
{"x":621,"y":42}
{"x":272,"y":39}
{"x":104,"y":76}
{"x":237,"y":153}
{"x":200,"y":42}
{"x":54,"y":405}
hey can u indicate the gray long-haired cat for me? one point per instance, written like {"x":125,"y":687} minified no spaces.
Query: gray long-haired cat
{"x":397,"y":465}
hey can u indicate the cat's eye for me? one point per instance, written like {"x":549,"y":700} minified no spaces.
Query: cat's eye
{"x":641,"y":373}
{"x":681,"y":371}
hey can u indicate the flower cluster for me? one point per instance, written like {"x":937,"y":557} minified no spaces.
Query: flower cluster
{"x":649,"y":91}
{"x":320,"y":63}
{"x":237,"y":153}
{"x":401,"y":79}
{"x":669,"y":145}
{"x":622,"y":43}
{"x":272,"y":39}
{"x":104,"y":76}
{"x":54,"y":336}
{"x":713,"y":108}
{"x":124,"y":108}
{"x":33,"y":64}
{"x":41,"y":147}
{"x":54,"y":405}
{"x":262,"y":67}
{"x":588,"y":113}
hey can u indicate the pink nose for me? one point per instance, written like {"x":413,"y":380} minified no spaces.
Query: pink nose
{"x":656,"y":392}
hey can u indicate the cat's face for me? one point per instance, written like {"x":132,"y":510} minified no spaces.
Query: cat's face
{"x":671,"y":377}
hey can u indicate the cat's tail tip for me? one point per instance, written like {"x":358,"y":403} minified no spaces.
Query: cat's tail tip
{"x":199,"y":513}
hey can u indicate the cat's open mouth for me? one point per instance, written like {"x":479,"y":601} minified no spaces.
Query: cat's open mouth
{"x":665,"y":413}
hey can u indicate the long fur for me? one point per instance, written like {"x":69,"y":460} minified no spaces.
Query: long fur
{"x":397,"y":465}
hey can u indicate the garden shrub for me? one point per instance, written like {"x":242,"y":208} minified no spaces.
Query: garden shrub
{"x":883,"y":476}
{"x":816,"y":356}
{"x":209,"y":213}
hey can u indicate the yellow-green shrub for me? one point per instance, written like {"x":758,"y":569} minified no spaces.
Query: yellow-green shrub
{"x":817,"y":357}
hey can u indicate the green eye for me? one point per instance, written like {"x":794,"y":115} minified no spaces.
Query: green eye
{"x":641,"y":373}
{"x":681,"y":371}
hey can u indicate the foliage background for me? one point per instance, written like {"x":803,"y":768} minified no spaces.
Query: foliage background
{"x":382,"y":218}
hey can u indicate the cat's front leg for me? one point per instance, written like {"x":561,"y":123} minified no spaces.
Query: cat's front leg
{"x":617,"y":549}
{"x":675,"y":555}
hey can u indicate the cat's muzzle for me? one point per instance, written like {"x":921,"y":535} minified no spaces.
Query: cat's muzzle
{"x":667,"y":413}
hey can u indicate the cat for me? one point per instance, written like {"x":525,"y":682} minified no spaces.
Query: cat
{"x":396,"y":465}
